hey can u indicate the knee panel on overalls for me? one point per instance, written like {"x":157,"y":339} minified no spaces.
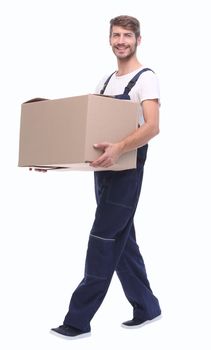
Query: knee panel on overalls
{"x":100,"y":257}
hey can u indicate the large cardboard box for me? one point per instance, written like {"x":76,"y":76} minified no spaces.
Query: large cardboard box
{"x":61,"y":133}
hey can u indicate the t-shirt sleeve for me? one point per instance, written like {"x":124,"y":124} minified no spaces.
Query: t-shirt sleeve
{"x":149,"y":87}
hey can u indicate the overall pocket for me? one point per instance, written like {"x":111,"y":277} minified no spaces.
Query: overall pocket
{"x":122,"y":190}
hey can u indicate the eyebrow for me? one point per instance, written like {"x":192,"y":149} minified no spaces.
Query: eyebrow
{"x":125,"y":33}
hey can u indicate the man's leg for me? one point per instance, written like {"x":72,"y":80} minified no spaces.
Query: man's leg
{"x":117,"y":195}
{"x":133,"y":277}
{"x":117,"y":200}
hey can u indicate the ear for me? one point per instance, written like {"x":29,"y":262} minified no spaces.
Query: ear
{"x":139,"y":40}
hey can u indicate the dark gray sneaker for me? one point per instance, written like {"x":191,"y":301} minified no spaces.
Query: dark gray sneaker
{"x":136,"y":322}
{"x":70,"y":332}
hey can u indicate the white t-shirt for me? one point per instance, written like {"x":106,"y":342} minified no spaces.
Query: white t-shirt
{"x":146,"y":87}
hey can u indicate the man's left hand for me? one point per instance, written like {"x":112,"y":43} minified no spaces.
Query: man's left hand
{"x":111,"y":153}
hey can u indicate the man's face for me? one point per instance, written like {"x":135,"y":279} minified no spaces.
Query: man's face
{"x":123,"y":42}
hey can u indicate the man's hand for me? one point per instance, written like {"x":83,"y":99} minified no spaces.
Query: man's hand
{"x":111,"y":153}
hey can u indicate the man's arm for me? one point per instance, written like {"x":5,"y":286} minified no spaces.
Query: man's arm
{"x":150,"y":128}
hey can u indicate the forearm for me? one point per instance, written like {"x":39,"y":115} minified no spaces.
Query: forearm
{"x":146,"y":131}
{"x":138,"y":138}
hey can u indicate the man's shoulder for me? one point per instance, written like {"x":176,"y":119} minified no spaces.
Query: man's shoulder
{"x":102,"y":81}
{"x":147,"y":75}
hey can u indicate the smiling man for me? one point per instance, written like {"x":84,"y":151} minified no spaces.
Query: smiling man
{"x":123,"y":42}
{"x":112,"y":242}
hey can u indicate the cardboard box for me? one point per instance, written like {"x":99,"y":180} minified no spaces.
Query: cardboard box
{"x":60,"y":133}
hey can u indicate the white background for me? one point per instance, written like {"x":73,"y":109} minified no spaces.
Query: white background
{"x":56,"y":49}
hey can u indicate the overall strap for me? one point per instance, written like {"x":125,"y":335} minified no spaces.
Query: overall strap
{"x":106,"y":83}
{"x":134,"y":80}
{"x":130,"y":84}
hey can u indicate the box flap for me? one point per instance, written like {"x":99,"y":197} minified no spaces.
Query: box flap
{"x":36,"y":99}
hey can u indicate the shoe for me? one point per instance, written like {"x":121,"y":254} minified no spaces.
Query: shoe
{"x":70,"y":332}
{"x":135,"y":322}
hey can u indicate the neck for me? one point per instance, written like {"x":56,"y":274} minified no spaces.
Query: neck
{"x":125,"y":67}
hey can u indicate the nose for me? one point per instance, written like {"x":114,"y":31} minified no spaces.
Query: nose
{"x":121,"y":39}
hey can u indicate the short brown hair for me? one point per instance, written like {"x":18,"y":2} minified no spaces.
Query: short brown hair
{"x":126,"y":22}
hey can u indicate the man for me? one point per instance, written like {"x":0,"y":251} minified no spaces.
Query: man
{"x":112,"y":242}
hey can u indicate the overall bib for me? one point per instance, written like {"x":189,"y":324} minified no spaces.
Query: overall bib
{"x":112,"y":244}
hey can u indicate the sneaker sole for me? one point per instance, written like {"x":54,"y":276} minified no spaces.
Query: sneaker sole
{"x":142,"y":324}
{"x":67,"y":337}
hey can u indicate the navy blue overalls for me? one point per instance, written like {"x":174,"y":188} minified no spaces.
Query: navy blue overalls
{"x":112,"y":244}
